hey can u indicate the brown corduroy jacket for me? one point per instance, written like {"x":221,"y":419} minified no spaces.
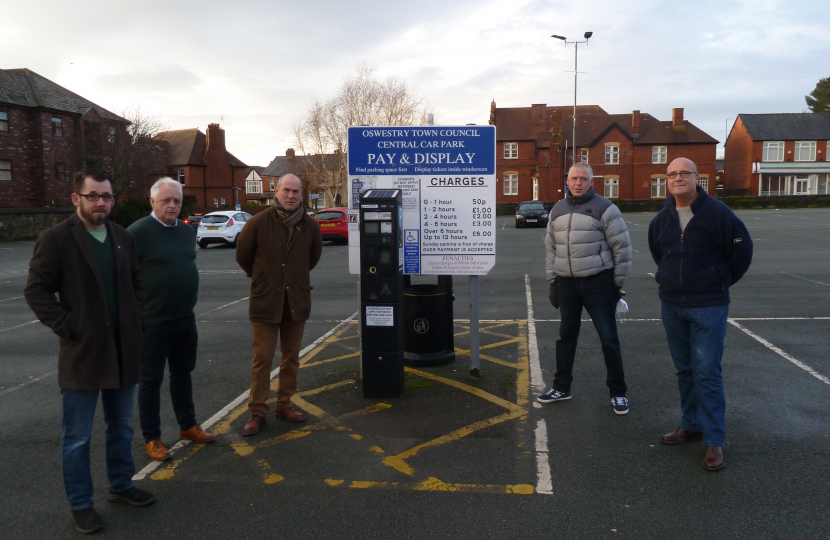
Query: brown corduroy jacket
{"x":64,"y":262}
{"x":278,"y":272}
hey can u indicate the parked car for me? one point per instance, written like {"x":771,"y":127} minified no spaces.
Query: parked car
{"x":531,"y":213}
{"x":334,"y":223}
{"x":193,"y":220}
{"x":221,"y":228}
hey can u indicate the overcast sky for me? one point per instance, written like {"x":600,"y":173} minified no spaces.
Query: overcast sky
{"x":256,"y":66}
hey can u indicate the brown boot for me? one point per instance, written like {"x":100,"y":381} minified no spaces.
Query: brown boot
{"x":157,"y":451}
{"x":254,"y":424}
{"x":197,"y":434}
{"x":713,"y":460}
{"x":680,"y":436}
{"x":289,"y":414}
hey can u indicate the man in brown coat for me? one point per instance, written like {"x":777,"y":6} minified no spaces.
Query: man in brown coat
{"x":92,"y":265}
{"x":277,"y":249}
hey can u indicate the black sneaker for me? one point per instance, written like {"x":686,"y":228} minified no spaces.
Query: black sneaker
{"x":620,"y":405}
{"x":553,"y":395}
{"x":87,"y":520}
{"x":132,"y":496}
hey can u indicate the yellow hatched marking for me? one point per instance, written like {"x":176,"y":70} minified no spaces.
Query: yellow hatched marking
{"x":331,"y":339}
{"x":335,"y":359}
{"x":488,"y":358}
{"x":325,"y":388}
{"x":434,"y":484}
{"x":333,"y":482}
{"x":523,"y":370}
{"x":501,"y":402}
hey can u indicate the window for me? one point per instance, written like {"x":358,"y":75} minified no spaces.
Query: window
{"x":658,"y":154}
{"x":4,"y":121}
{"x":658,"y":188}
{"x":703,"y":182}
{"x":583,"y":155}
{"x":805,"y":150}
{"x":511,"y":150}
{"x":535,"y":189}
{"x":253,"y":186}
{"x":111,"y":135}
{"x":271,"y":184}
{"x":612,"y":155}
{"x":57,"y":127}
{"x":215,"y":203}
{"x":511,"y":184}
{"x":773,"y":151}
{"x":612,"y":188}
{"x":223,"y":201}
{"x":5,"y":170}
{"x":181,"y":176}
{"x":60,"y":172}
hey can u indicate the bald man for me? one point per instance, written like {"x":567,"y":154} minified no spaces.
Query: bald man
{"x":278,"y":249}
{"x":701,"y":249}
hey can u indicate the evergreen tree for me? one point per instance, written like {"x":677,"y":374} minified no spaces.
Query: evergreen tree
{"x":819,"y":99}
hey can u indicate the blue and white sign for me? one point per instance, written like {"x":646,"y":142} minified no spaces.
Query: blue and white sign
{"x":447,"y":175}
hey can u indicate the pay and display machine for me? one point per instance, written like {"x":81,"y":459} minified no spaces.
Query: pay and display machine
{"x":381,"y":292}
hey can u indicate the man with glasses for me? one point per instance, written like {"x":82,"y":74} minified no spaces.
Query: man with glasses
{"x":92,"y":265}
{"x":588,"y":262}
{"x":701,"y":249}
{"x":167,"y":256}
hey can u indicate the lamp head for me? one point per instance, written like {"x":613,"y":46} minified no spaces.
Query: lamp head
{"x":588,"y":35}
{"x":558,"y":37}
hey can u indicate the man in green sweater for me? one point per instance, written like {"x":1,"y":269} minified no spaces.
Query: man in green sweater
{"x":167,"y":256}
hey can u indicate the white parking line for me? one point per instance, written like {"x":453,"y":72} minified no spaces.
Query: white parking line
{"x":226,"y":305}
{"x":543,"y":480}
{"x":786,"y":356}
{"x":9,"y":299}
{"x":544,"y":484}
{"x":27,"y":383}
{"x":805,"y":279}
{"x":18,"y":326}
{"x":153,"y":465}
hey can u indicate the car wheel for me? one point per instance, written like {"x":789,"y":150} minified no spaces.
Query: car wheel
{"x":517,"y":224}
{"x":203,"y":244}
{"x":235,"y":240}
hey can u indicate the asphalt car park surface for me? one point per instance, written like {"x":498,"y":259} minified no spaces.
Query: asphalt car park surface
{"x":455,"y":456}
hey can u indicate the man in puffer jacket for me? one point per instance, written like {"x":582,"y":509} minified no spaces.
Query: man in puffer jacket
{"x":588,"y":262}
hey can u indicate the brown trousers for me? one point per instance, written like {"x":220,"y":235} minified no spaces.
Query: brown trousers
{"x":290,"y":334}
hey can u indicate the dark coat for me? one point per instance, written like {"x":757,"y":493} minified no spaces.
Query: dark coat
{"x":695,"y":268}
{"x":64,"y":262}
{"x":277,"y":274}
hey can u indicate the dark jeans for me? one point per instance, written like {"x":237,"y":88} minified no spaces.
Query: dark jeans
{"x":174,"y":343}
{"x":78,"y":414}
{"x":598,"y":296}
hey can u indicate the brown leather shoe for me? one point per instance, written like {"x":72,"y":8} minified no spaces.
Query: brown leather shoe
{"x":157,"y":451}
{"x":254,"y":424}
{"x":680,"y":436}
{"x":290,"y":414}
{"x":713,"y":460}
{"x":197,"y":434}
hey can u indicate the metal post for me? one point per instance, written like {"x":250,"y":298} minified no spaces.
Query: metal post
{"x":573,"y":162}
{"x":475,"y":363}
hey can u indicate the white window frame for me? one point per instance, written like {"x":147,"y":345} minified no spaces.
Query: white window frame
{"x":612,"y":188}
{"x":659,"y":154}
{"x":215,"y":202}
{"x":511,"y":150}
{"x":57,"y":126}
{"x":180,"y":175}
{"x":773,"y":146}
{"x":253,"y":187}
{"x":583,"y":155}
{"x":5,"y":170}
{"x":535,"y":189}
{"x":802,"y":147}
{"x":658,"y":182}
{"x":222,"y":202}
{"x":4,"y":120}
{"x":703,"y":182}
{"x":272,"y":182}
{"x":612,"y":154}
{"x":511,"y":184}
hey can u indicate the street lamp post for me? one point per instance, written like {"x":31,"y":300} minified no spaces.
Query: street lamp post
{"x":576,"y":43}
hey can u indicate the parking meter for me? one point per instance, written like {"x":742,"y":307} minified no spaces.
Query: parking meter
{"x":381,"y":292}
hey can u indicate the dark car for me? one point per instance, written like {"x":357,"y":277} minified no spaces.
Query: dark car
{"x":334,"y":223}
{"x":193,"y":220}
{"x":531,"y":214}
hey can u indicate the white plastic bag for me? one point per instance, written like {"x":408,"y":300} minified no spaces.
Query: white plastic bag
{"x":622,"y":309}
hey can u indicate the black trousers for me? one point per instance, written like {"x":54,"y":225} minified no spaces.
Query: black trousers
{"x":598,"y":295}
{"x":173,"y":343}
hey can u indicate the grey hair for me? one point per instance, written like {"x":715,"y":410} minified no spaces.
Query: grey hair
{"x":165,"y":181}
{"x":582,"y":165}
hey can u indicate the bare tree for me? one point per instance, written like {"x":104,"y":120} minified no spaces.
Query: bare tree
{"x":363,"y":99}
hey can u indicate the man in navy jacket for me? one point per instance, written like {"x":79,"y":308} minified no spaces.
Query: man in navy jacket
{"x":701,"y":249}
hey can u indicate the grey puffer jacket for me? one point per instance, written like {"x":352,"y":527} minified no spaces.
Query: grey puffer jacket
{"x":587,"y":235}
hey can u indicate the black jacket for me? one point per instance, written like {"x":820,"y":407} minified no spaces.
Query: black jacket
{"x":695,"y":268}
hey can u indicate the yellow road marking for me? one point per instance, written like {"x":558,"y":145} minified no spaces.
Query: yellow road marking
{"x":331,"y":339}
{"x":335,"y":359}
{"x":272,"y":478}
{"x":324,"y":388}
{"x":509,"y":405}
{"x":434,"y":484}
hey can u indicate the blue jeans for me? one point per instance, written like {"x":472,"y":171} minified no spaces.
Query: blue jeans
{"x":695,"y":338}
{"x":173,"y":343}
{"x":598,"y":295}
{"x":78,"y":414}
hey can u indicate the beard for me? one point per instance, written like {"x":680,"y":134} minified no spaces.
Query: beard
{"x":95,"y":217}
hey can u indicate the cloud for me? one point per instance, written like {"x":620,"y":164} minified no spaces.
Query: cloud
{"x":158,"y":79}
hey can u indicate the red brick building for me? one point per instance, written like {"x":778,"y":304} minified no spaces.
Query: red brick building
{"x":205,"y":168}
{"x":778,"y":154}
{"x":629,"y":153}
{"x":47,"y":133}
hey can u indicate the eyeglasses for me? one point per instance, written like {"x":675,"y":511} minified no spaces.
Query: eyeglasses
{"x":685,"y":175}
{"x":93,"y":197}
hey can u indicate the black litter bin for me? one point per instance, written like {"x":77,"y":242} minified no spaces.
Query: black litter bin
{"x":428,"y":327}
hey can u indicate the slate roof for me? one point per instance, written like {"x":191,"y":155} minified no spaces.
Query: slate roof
{"x":515,"y":124}
{"x":281,"y":165}
{"x":188,"y":147}
{"x":787,"y":126}
{"x":664,"y":133}
{"x":26,"y":88}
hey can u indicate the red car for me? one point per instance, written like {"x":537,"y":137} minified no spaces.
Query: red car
{"x":334,"y":223}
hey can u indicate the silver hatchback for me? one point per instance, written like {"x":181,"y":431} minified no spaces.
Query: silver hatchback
{"x":221,"y":228}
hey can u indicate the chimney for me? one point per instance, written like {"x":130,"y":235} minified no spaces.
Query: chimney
{"x":677,"y":117}
{"x":493,"y":112}
{"x":289,"y":152}
{"x":635,"y":123}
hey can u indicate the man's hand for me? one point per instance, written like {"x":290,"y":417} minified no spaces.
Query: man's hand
{"x":553,"y":294}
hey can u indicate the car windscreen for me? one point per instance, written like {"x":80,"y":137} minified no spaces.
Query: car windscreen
{"x":207,"y":220}
{"x":329,"y":215}
{"x":532,"y":206}
{"x":194,"y":218}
